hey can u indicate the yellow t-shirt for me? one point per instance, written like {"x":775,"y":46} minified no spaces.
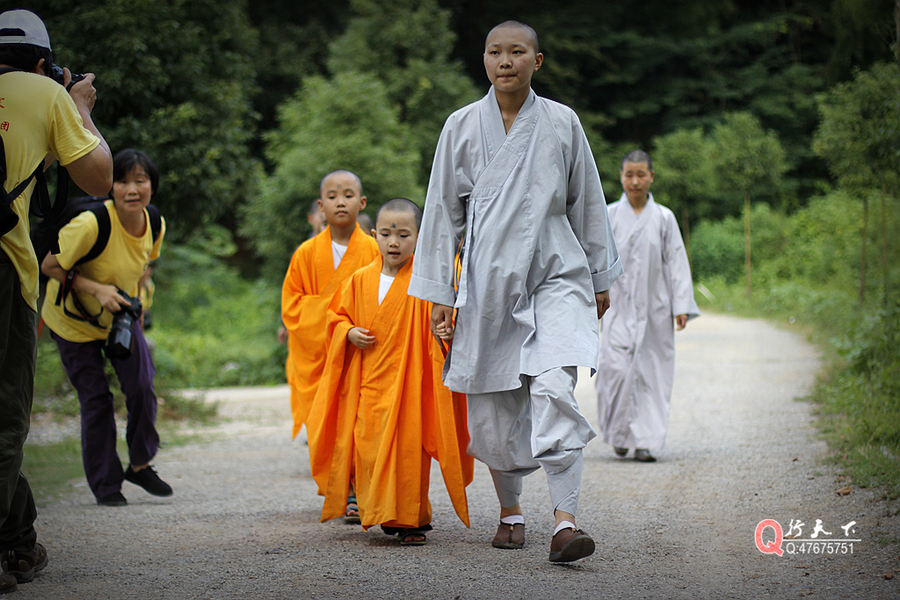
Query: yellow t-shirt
{"x":37,"y":117}
{"x":121,"y":263}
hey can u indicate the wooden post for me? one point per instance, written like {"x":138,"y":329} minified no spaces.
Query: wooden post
{"x":747,"y":242}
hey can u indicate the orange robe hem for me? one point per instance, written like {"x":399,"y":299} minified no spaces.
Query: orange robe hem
{"x":381,"y":414}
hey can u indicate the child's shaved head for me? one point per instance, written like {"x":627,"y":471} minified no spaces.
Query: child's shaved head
{"x":532,"y":34}
{"x":343,"y":172}
{"x":401,"y":205}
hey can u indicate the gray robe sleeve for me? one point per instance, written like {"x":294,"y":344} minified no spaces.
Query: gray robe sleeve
{"x":443,"y":224}
{"x":587,"y":213}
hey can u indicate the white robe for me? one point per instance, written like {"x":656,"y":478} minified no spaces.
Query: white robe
{"x":637,"y":346}
{"x":538,"y":243}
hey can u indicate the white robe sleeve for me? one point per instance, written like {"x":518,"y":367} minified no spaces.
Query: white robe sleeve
{"x":677,"y":270}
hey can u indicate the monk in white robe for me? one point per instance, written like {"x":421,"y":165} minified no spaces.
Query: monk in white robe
{"x":514,"y":176}
{"x":637,"y":347}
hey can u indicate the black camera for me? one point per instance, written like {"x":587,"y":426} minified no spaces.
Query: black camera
{"x":56,"y":73}
{"x":119,"y":341}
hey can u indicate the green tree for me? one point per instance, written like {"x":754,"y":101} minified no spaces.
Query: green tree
{"x":406,"y":44}
{"x":174,"y":79}
{"x":749,"y":163}
{"x":343,"y":123}
{"x":293,"y":44}
{"x":683,"y":178}
{"x":859,"y":137}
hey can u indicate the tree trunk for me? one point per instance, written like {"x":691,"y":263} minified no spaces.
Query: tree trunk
{"x":747,"y":243}
{"x":862,"y":264}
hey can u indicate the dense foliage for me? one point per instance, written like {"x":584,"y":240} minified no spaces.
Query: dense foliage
{"x":175,"y":79}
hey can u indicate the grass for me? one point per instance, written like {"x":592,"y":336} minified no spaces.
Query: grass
{"x":55,"y":470}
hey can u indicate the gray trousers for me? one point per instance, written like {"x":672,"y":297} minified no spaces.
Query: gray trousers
{"x":515,"y":432}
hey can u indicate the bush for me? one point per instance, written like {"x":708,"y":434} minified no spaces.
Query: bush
{"x":859,"y":399}
{"x":717,"y":250}
{"x":211,"y":327}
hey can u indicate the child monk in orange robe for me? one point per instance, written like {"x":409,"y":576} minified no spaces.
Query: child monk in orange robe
{"x":317,"y":269}
{"x":382,"y":412}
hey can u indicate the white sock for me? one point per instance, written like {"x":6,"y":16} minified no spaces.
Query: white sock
{"x":563,"y":525}
{"x":513,"y":520}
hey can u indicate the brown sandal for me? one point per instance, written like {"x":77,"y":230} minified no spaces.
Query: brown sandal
{"x":509,"y":537}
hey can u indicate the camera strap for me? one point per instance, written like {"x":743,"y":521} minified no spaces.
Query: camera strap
{"x":66,"y":290}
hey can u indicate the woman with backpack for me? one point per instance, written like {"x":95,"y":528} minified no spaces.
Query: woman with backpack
{"x":91,"y":309}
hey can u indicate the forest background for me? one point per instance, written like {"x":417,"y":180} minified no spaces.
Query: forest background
{"x":774,"y":126}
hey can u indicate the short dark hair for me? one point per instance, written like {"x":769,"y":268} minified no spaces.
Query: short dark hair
{"x":638,"y":156}
{"x":25,"y":56}
{"x":528,"y":29}
{"x":126,"y":160}
{"x":401,"y":205}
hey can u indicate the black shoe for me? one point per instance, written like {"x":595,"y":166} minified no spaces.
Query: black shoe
{"x":644,"y":455}
{"x":23,"y":565}
{"x":149,"y":480}
{"x":114,"y":499}
{"x":620,"y":451}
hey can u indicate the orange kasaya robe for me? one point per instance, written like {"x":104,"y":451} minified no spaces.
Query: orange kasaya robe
{"x":381,"y":414}
{"x":310,"y":283}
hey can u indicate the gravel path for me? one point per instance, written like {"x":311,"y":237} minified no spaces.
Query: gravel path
{"x":244,"y":521}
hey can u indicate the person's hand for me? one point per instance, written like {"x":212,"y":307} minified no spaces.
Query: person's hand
{"x":110,"y":299}
{"x":360,"y":338}
{"x":282,"y":335}
{"x":442,"y":322}
{"x":83,"y":92}
{"x":681,"y":322}
{"x":602,"y":303}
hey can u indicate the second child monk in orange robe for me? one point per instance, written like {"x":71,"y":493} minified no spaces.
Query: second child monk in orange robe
{"x":317,"y":269}
{"x":382,"y":412}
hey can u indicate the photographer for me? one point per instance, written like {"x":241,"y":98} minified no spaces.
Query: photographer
{"x":39,"y":122}
{"x":93,"y":308}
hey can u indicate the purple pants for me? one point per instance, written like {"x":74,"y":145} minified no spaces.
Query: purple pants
{"x":85,"y":364}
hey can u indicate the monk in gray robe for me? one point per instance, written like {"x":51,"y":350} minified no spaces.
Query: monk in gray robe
{"x":514,"y":177}
{"x":637,"y":346}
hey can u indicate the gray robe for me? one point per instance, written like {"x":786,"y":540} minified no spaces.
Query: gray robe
{"x":637,"y":347}
{"x":538,"y":243}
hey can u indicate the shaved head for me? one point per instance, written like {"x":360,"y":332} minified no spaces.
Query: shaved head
{"x":532,"y":34}
{"x":401,"y":205}
{"x":343,"y":172}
